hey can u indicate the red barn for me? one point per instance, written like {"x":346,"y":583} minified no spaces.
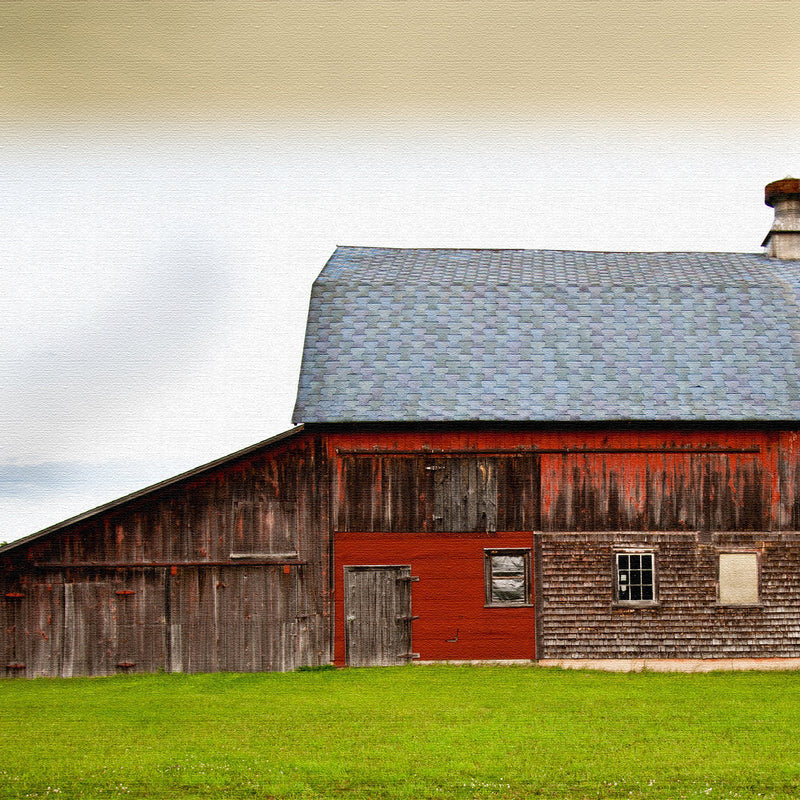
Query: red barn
{"x":502,"y":455}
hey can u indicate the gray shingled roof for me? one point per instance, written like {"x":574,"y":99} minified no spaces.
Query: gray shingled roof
{"x":512,"y":335}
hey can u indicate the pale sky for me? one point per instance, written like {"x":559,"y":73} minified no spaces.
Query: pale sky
{"x":175,"y":175}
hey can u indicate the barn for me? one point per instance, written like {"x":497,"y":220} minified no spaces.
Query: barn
{"x":499,"y":455}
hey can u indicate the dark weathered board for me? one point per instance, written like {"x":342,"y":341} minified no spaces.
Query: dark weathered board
{"x":654,"y":491}
{"x":567,"y":481}
{"x":788,"y":500}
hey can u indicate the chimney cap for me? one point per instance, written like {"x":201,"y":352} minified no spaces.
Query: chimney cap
{"x":783,"y":188}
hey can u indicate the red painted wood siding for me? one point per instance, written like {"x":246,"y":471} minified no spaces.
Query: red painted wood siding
{"x":449,"y":597}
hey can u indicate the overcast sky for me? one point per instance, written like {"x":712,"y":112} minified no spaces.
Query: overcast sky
{"x":175,"y":175}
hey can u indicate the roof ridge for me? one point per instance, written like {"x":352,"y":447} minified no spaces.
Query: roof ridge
{"x":392,"y":248}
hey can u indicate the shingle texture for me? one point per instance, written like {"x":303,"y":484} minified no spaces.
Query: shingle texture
{"x":397,"y":335}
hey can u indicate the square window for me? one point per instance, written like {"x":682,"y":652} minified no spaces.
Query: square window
{"x":635,"y":578}
{"x":507,"y":574}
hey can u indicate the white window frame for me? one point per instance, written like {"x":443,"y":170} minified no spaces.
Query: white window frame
{"x":623,"y":574}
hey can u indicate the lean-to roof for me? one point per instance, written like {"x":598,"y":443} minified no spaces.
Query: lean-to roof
{"x":142,"y":494}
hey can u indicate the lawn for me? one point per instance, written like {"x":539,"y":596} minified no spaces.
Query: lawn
{"x":407,"y":732}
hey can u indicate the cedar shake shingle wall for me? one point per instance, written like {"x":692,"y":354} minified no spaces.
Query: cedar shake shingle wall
{"x":580,"y":619}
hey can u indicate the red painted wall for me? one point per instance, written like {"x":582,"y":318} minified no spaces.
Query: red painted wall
{"x":449,"y":597}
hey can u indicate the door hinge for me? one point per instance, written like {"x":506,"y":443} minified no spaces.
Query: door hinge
{"x":412,"y":656}
{"x":406,"y":618}
{"x":412,"y":578}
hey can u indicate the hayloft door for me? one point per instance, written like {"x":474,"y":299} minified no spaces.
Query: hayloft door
{"x":377,"y":609}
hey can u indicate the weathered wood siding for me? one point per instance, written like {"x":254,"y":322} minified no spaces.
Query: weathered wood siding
{"x":377,"y":614}
{"x":224,"y":571}
{"x":788,"y":494}
{"x":656,"y":491}
{"x":575,"y":479}
{"x":427,"y":492}
{"x":230,"y":569}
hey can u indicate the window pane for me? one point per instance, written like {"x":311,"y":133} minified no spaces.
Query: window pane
{"x":635,"y":577}
{"x":508,"y":565}
{"x":508,"y":590}
{"x":507,"y":577}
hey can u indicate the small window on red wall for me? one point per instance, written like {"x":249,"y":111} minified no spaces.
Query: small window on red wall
{"x":508,"y":581}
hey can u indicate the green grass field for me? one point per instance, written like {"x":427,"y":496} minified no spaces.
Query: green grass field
{"x":408,"y":732}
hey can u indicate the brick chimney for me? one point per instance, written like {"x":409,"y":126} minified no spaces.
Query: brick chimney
{"x":783,"y":240}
